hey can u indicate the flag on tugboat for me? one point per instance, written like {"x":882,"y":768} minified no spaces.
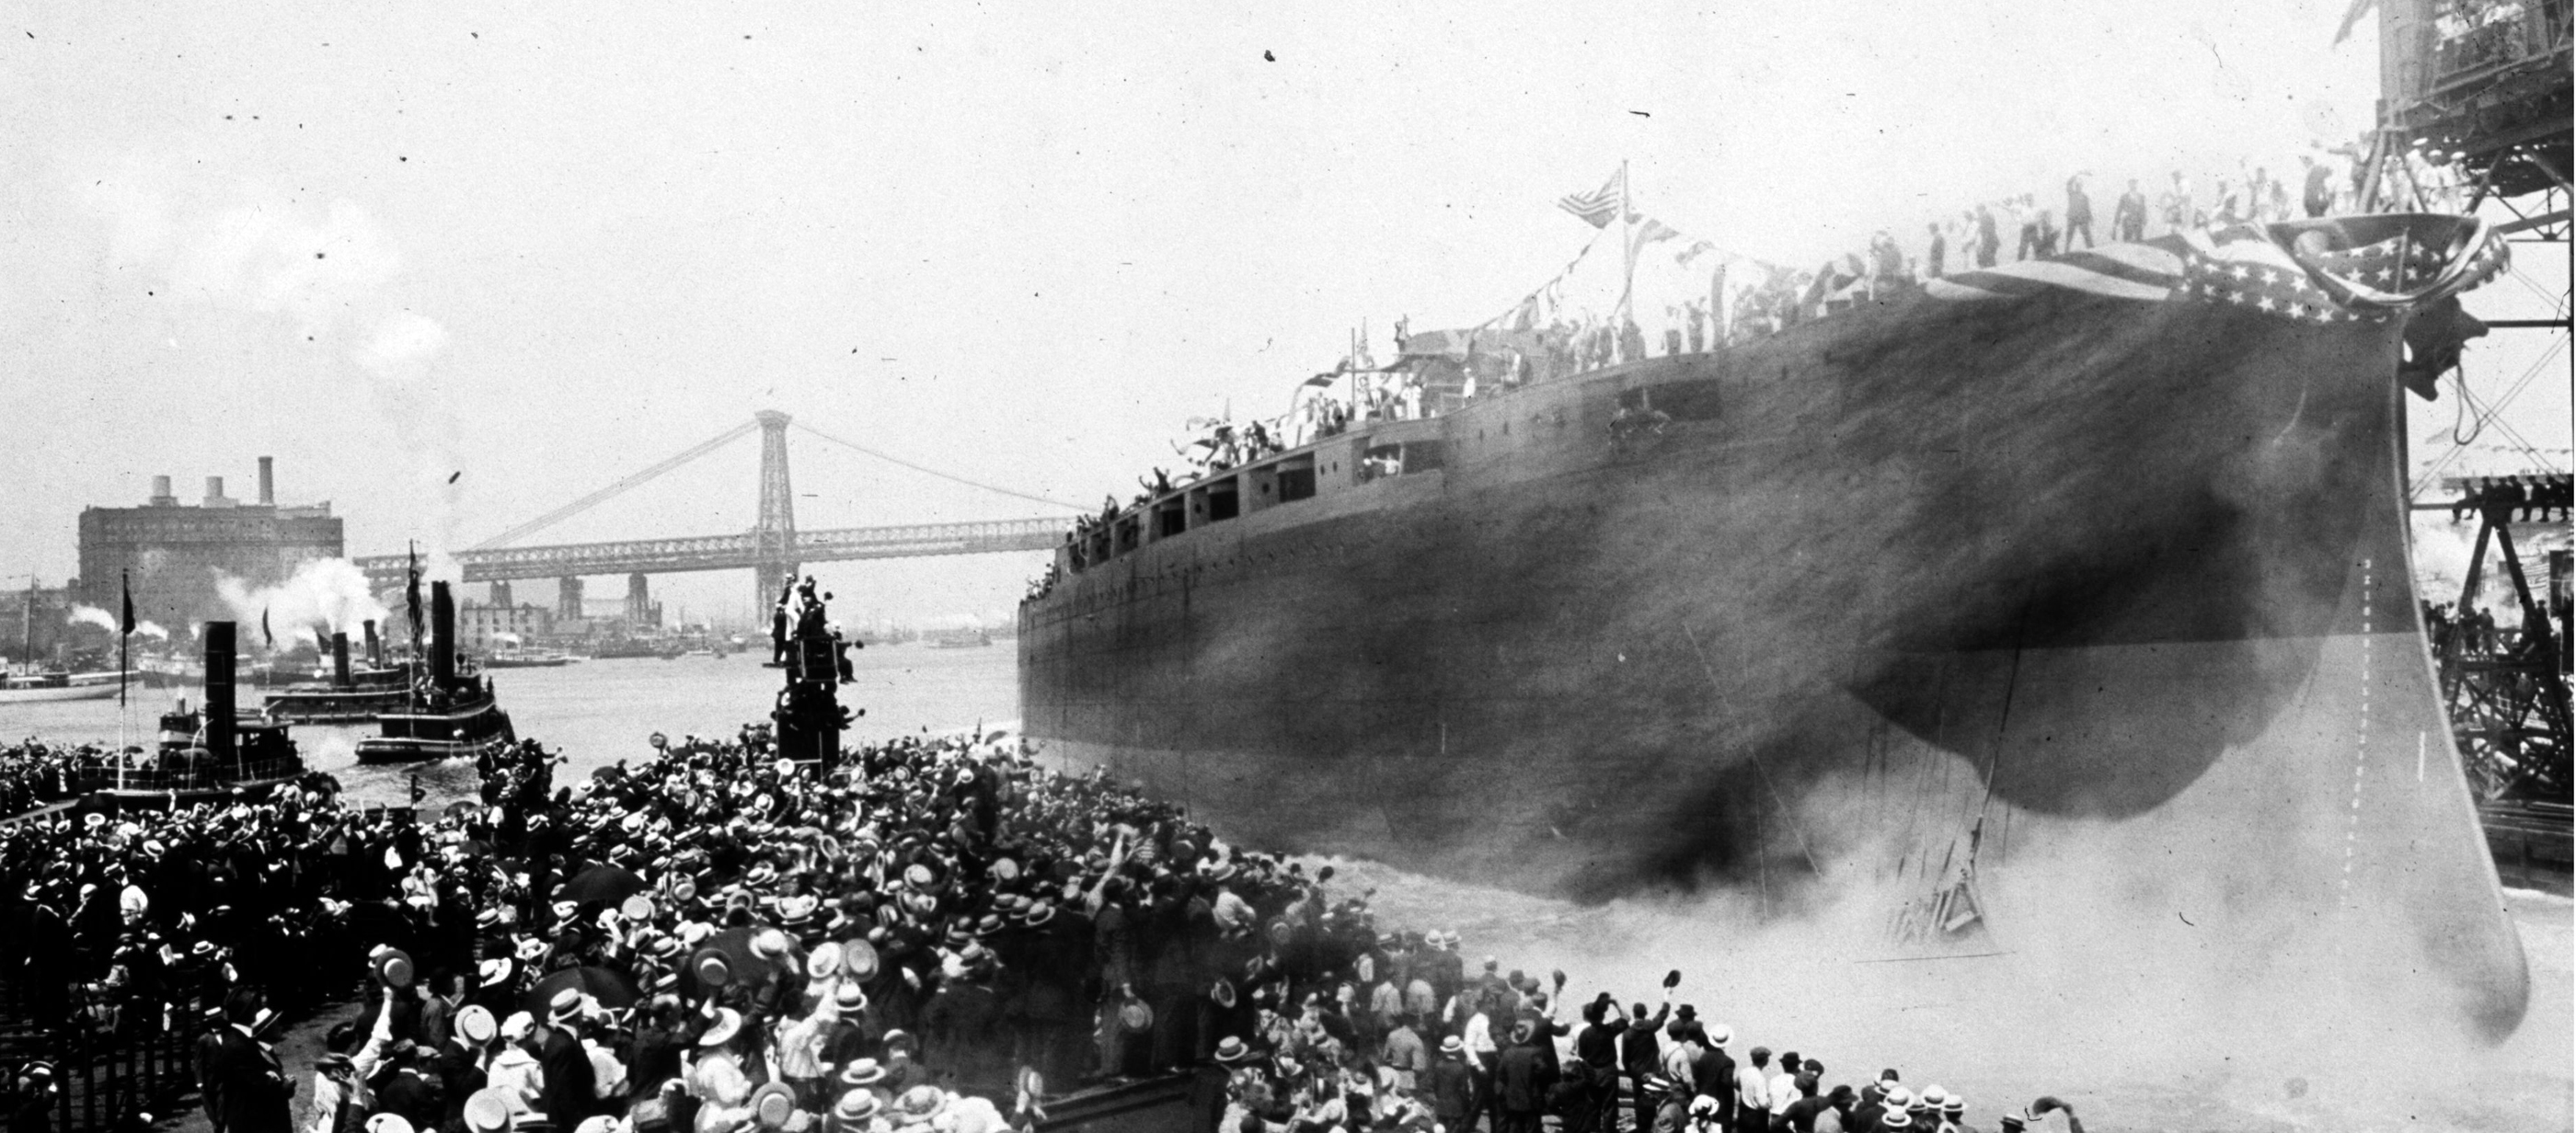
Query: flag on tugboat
{"x":411,"y":592}
{"x":124,"y":630}
{"x":1600,"y":206}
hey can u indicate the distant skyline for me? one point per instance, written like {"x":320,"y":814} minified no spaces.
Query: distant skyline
{"x":530,"y":251}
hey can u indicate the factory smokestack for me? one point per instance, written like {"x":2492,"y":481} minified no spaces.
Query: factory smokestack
{"x":215,"y":492}
{"x":268,"y":480}
{"x":339,"y":660}
{"x":219,"y":691}
{"x":161,"y":496}
{"x":442,"y":637}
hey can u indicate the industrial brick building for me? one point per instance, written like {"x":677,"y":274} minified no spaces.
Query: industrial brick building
{"x":174,"y":552}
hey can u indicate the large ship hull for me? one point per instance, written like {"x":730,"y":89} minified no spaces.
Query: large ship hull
{"x":1959,"y":587}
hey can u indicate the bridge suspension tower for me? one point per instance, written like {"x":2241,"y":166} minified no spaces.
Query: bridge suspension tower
{"x":774,"y":535}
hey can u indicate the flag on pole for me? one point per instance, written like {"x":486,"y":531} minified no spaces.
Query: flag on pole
{"x":124,"y":631}
{"x":1651,"y":231}
{"x":1600,"y":206}
{"x":411,"y":592}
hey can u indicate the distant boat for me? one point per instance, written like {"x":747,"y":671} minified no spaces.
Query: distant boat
{"x":448,"y":715}
{"x":527,"y":659}
{"x":967,"y":639}
{"x":181,"y":771}
{"x":35,"y":687}
{"x":368,"y":693}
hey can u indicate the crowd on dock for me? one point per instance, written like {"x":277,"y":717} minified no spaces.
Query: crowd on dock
{"x":937,"y":933}
{"x":35,"y":774}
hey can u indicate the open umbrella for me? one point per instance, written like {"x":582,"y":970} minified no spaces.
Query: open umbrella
{"x":606,"y":884}
{"x":609,"y":988}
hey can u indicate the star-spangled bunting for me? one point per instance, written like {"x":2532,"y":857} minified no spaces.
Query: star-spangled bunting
{"x":2249,"y":267}
{"x":2256,"y":285}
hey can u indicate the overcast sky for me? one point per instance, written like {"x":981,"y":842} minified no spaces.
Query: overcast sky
{"x":541,"y":246}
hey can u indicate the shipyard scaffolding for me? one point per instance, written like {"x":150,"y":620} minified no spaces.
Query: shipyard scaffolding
{"x":2507,"y":688}
{"x":2474,"y":117}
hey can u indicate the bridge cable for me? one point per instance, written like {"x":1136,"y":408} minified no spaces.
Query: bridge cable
{"x":935,"y":472}
{"x":585,"y":503}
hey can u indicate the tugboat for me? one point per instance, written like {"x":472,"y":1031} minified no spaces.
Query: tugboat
{"x":350,"y":696}
{"x":451,"y":714}
{"x":216,"y":755}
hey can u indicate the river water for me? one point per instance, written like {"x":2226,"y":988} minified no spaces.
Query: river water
{"x":1984,"y":1029}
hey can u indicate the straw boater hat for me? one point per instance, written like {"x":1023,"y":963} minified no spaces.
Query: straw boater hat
{"x":388,"y":1123}
{"x":565,"y":1006}
{"x":728,"y":1024}
{"x":773,"y":1104}
{"x":394,"y":967}
{"x":859,"y":959}
{"x":1232,"y":1051}
{"x":919,"y":1105}
{"x":862,"y":1072}
{"x":476,"y":1024}
{"x":711,"y":966}
{"x":823,"y":962}
{"x":769,"y":944}
{"x":850,"y":998}
{"x":851,"y":1113}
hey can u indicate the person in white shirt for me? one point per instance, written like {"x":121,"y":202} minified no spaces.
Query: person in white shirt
{"x":1784,"y":1085}
{"x":1752,"y":1092}
{"x":340,"y":1080}
{"x":514,"y":1069}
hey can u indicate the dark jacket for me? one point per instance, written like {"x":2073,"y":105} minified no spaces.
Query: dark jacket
{"x":1639,"y":1053}
{"x":1453,"y":1089}
{"x":1713,"y":1075}
{"x":1523,"y":1077}
{"x":252,"y":1088}
{"x":569,"y":1081}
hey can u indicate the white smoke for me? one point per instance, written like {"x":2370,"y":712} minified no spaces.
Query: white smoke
{"x":330,"y":592}
{"x":92,"y":615}
{"x":152,"y":630}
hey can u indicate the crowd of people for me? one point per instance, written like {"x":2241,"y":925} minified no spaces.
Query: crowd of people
{"x":34,"y":773}
{"x":935,"y":933}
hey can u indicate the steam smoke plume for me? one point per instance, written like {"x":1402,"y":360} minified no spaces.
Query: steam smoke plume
{"x":329,"y":591}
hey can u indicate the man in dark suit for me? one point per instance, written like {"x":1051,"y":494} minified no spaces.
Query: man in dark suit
{"x":570,"y":1083}
{"x":1713,"y":1073}
{"x":250,"y":1088}
{"x":1523,"y":1079}
{"x":409,"y":1091}
{"x":1640,"y":1055}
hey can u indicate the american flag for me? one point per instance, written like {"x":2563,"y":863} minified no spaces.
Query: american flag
{"x":1600,"y":206}
{"x":2385,"y":266}
{"x":2242,"y":267}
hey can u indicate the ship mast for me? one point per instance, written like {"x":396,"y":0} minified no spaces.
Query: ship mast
{"x":1627,"y":250}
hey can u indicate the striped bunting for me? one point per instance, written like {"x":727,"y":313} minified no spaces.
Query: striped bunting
{"x":2148,"y":272}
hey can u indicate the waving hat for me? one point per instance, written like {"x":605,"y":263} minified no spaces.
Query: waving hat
{"x":824,"y":961}
{"x":773,"y":1104}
